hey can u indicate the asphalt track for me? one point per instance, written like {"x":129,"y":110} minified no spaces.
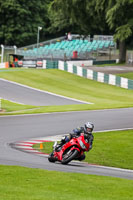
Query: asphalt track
{"x":19,"y":128}
{"x":26,"y":127}
{"x":30,"y":96}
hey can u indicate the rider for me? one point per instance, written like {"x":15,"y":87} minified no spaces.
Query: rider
{"x":87,"y":130}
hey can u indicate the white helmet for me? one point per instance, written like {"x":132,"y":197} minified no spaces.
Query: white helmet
{"x":90,"y":126}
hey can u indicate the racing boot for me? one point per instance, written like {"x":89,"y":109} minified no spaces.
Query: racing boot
{"x":59,"y":146}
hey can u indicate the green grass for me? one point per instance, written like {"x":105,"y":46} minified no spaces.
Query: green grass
{"x":20,"y":183}
{"x":47,"y":147}
{"x":127,"y":75}
{"x":9,"y":106}
{"x":60,"y":82}
{"x":112,"y":65}
{"x":113,"y":149}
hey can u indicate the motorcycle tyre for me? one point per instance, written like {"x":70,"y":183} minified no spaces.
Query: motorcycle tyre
{"x":70,"y":158}
{"x":51,"y":158}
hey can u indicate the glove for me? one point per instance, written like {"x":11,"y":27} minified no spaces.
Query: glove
{"x":76,"y":130}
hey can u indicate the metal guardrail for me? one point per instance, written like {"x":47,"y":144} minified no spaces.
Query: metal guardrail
{"x":74,"y":36}
{"x":48,"y":42}
{"x":103,"y":37}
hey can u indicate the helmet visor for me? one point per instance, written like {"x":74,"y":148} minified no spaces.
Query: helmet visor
{"x":88,"y":130}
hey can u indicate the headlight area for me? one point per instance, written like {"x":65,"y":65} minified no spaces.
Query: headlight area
{"x":82,"y":145}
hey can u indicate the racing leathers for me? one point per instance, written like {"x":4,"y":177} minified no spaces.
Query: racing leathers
{"x":76,"y":133}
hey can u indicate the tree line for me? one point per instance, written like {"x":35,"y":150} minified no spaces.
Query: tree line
{"x":19,"y":20}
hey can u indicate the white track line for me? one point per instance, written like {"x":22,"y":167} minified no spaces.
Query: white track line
{"x":112,"y":168}
{"x":14,"y":101}
{"x":67,"y":112}
{"x":119,"y":129}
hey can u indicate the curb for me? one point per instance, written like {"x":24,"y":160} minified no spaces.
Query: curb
{"x":27,"y":146}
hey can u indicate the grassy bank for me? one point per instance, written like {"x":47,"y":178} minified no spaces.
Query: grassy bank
{"x":36,"y":184}
{"x":113,"y":149}
{"x":102,"y":95}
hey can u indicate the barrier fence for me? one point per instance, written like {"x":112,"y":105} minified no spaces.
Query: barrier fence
{"x":80,"y":71}
{"x":97,"y":76}
{"x":90,"y":74}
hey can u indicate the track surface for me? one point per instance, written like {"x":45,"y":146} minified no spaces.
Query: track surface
{"x":112,"y":69}
{"x":23,"y":94}
{"x":19,"y":128}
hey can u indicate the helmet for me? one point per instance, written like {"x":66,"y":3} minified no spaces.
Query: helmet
{"x":89,"y":127}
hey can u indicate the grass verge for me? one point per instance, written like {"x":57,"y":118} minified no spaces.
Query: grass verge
{"x":103,"y":96}
{"x":112,"y":149}
{"x":127,"y":75}
{"x":112,"y":65}
{"x":9,"y":106}
{"x":36,"y":184}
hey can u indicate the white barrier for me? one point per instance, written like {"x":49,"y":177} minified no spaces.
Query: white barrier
{"x":4,"y":65}
{"x":124,"y":82}
{"x":100,"y":77}
{"x":112,"y":79}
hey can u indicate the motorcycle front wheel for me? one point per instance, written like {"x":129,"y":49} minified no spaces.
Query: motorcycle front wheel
{"x":51,"y":158}
{"x":69,"y":156}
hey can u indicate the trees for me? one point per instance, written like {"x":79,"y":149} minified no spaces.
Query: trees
{"x":77,"y":13}
{"x":119,"y":16}
{"x":98,"y":16}
{"x":20,"y":19}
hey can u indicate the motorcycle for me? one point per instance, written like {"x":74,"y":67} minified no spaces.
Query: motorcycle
{"x":71,"y":150}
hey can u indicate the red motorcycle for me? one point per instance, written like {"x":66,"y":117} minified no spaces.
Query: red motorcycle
{"x":71,"y":150}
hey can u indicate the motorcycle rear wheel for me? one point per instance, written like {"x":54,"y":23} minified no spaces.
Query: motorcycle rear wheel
{"x":67,"y":158}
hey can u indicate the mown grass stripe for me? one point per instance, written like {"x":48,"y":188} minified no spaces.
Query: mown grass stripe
{"x":28,"y":184}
